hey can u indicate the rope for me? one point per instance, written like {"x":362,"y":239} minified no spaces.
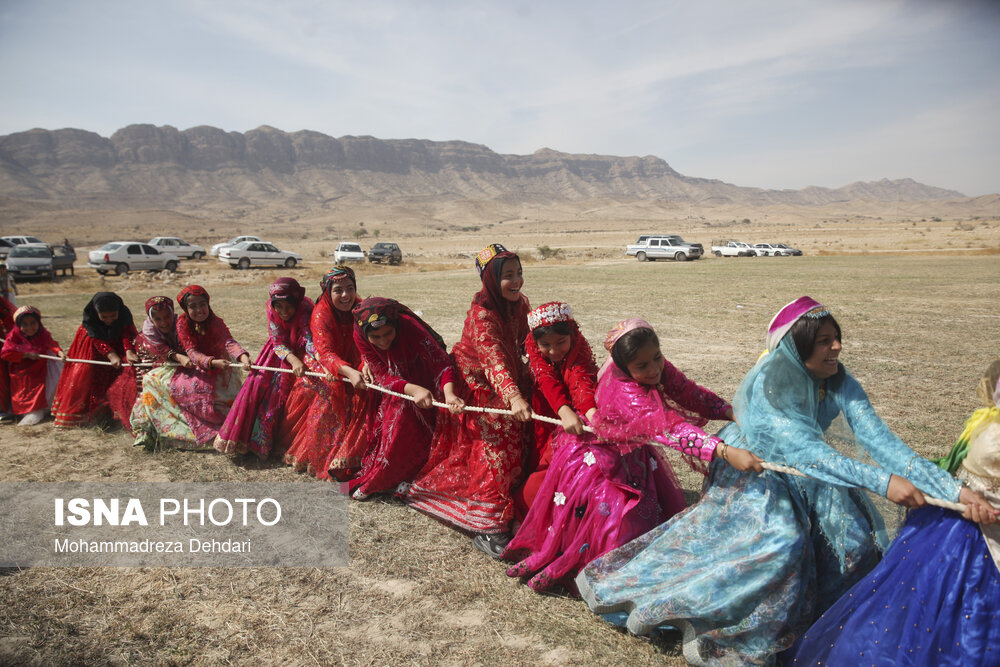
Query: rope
{"x":937,"y":502}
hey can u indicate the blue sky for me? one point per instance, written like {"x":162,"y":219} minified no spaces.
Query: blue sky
{"x":776,"y":94}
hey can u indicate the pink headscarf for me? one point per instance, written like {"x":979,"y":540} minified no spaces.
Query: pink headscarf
{"x":617,"y":332}
{"x":788,"y":316}
{"x":40,"y":343}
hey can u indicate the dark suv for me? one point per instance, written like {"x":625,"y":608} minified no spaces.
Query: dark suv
{"x":385,"y":252}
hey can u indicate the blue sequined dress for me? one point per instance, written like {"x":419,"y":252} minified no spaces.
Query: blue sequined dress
{"x":748,"y":568}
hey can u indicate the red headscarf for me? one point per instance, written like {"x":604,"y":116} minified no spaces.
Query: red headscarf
{"x":577,"y":370}
{"x":208,"y":337}
{"x":288,"y":333}
{"x":490,"y":270}
{"x":40,"y":343}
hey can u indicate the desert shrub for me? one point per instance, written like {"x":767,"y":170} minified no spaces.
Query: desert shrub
{"x":545,"y":252}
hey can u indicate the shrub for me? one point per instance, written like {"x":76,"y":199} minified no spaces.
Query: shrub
{"x":546,"y":252}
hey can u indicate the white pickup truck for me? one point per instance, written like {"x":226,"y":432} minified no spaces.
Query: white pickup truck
{"x":732,"y":249}
{"x":667,"y":246}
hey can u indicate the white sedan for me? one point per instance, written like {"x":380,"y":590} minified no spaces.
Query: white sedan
{"x":257,"y":253}
{"x":217,"y":248}
{"x":124,"y":256}
{"x":179,"y":247}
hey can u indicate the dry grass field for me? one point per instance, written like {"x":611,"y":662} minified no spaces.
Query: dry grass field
{"x":918,"y":330}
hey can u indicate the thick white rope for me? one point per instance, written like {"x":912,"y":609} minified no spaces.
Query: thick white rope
{"x":937,"y":502}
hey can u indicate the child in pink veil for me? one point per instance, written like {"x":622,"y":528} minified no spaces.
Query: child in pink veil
{"x":604,"y":490}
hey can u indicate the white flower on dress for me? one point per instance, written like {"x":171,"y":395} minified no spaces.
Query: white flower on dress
{"x":589,"y":458}
{"x":653,"y":465}
{"x":560,"y":498}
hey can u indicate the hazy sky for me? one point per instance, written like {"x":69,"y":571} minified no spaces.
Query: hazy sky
{"x":774,"y":94}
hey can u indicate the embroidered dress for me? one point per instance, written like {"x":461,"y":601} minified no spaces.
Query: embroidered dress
{"x":82,"y":393}
{"x":253,"y":424}
{"x":605,"y":489}
{"x":476,"y":458}
{"x":200,"y":397}
{"x":745,"y":570}
{"x":571,"y":381}
{"x":32,"y":381}
{"x":331,"y":439}
{"x":935,"y":597}
{"x":399,"y":431}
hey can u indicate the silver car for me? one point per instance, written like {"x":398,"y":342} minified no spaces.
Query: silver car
{"x":31,"y":260}
{"x":124,"y":256}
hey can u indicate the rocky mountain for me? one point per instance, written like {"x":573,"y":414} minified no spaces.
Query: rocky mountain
{"x":208,"y":168}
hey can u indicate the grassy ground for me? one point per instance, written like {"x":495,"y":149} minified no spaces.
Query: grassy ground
{"x":918,"y":331}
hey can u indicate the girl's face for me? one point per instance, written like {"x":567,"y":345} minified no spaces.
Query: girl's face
{"x":197,"y":308}
{"x":343,"y":295}
{"x":554,"y":346}
{"x":511,"y":280}
{"x":163,"y":319}
{"x":823,"y":361}
{"x":647,"y":365}
{"x":29,"y":325}
{"x":382,"y":337}
{"x":107,"y":316}
{"x":284,"y":308}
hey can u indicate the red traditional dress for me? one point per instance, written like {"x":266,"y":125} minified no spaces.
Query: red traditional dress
{"x":477,"y":458}
{"x":254,"y":424}
{"x":32,"y":383}
{"x":331,"y":439}
{"x":399,"y":431}
{"x":6,"y":325}
{"x":570,"y":381}
{"x":82,"y":394}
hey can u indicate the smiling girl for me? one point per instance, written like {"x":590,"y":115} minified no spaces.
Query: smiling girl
{"x":255,"y":423}
{"x":477,"y":458}
{"x":565,"y":376}
{"x":331,"y":440}
{"x":106,"y":334}
{"x":32,"y":380}
{"x":605,"y":489}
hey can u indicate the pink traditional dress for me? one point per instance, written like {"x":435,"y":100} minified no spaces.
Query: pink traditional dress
{"x":605,"y":489}
{"x":82,"y":394}
{"x":477,"y":458}
{"x":255,"y":422}
{"x":202,"y":396}
{"x":331,"y":439}
{"x":400,"y":432}
{"x":570,"y":381}
{"x":32,"y":381}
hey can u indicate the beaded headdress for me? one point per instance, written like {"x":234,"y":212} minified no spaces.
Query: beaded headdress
{"x":548,"y":314}
{"x":486,"y":254}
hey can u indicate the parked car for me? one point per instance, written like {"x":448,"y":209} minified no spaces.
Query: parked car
{"x":385,"y":252}
{"x":217,"y":248}
{"x":179,"y":247}
{"x":124,"y":256}
{"x":770,"y":250}
{"x":260,"y":253}
{"x":795,"y":252}
{"x":732,"y":249}
{"x":668,"y":246}
{"x":348,"y":252}
{"x":39,"y":260}
{"x":18,"y":240}
{"x":5,"y":247}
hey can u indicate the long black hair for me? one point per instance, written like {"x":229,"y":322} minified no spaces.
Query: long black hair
{"x":805,"y":330}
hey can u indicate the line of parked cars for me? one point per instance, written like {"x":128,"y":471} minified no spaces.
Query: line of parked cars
{"x":383,"y":251}
{"x":730,"y":248}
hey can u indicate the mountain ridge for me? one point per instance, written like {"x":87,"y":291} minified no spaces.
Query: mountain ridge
{"x":204,"y":167}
